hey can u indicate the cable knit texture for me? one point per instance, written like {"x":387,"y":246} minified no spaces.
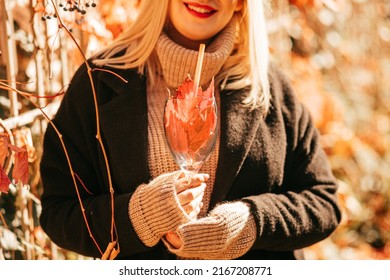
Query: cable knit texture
{"x":155,"y":210}
{"x":226,"y":233}
{"x":177,"y":62}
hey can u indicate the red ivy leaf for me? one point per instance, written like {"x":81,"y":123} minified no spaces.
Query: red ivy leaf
{"x":4,"y":181}
{"x":3,"y":148}
{"x":20,"y":170}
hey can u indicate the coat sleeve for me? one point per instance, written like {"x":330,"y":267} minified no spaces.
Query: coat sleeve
{"x":305,"y":210}
{"x":62,"y":217}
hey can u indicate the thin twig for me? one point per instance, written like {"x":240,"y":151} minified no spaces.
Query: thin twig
{"x":67,"y":159}
{"x":3,"y":219}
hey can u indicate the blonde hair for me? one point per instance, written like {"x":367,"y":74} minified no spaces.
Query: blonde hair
{"x":247,"y":66}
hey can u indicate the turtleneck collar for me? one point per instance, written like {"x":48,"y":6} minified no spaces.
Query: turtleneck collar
{"x":177,"y":62}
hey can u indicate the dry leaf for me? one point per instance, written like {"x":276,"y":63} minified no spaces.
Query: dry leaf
{"x":4,"y":181}
{"x":20,"y":170}
{"x":3,"y":148}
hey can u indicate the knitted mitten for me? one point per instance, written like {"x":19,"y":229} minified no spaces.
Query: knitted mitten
{"x":228,"y":232}
{"x":155,"y":210}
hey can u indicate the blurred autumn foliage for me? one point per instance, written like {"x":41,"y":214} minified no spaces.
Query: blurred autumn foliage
{"x":336,"y":53}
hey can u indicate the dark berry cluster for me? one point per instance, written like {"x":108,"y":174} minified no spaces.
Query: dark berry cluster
{"x":79,"y":6}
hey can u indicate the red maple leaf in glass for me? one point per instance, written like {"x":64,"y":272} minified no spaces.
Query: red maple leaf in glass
{"x":190,"y":122}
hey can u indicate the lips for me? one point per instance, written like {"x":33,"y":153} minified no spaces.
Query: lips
{"x":199,"y":10}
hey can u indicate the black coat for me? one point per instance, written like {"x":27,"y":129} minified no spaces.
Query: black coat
{"x":274,"y":163}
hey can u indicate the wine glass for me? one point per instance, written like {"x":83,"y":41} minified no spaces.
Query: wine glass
{"x":190,"y":124}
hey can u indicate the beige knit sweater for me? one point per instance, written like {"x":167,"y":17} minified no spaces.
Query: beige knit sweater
{"x":227,"y":231}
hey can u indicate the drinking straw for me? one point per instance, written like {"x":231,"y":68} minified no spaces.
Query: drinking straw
{"x":198,"y":69}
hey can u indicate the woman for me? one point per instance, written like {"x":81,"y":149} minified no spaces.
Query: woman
{"x":265,"y":191}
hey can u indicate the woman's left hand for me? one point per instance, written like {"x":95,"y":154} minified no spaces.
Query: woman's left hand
{"x":174,"y":239}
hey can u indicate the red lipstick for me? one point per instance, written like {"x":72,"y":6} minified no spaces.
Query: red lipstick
{"x":199,"y":10}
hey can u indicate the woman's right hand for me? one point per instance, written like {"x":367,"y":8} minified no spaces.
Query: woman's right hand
{"x":166,"y":202}
{"x":190,"y":190}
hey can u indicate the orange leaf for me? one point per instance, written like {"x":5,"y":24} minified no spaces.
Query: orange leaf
{"x":201,"y":130}
{"x":4,"y":181}
{"x":20,"y":170}
{"x":302,"y":3}
{"x":3,"y":148}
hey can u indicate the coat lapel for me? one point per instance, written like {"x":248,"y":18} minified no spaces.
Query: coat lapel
{"x":124,"y":126}
{"x":238,"y":130}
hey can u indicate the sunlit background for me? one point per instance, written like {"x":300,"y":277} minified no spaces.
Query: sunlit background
{"x":336,"y":53}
